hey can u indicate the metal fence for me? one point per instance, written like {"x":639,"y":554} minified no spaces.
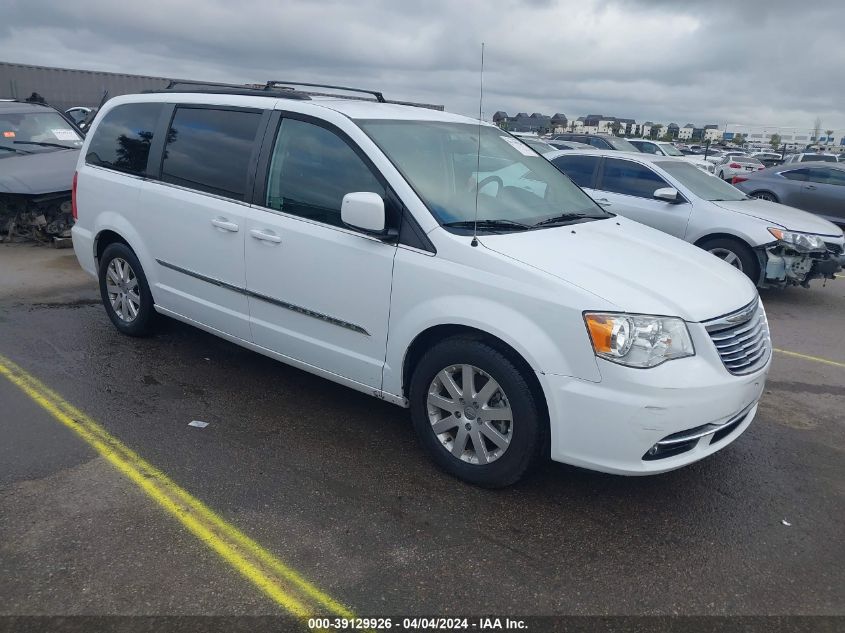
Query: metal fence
{"x":64,"y":87}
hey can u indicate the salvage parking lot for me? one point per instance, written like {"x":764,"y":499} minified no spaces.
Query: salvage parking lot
{"x":332,"y":486}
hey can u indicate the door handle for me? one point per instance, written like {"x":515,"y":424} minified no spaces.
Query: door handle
{"x":604,"y":202}
{"x":265,"y":236}
{"x":223,"y":223}
{"x":810,"y":186}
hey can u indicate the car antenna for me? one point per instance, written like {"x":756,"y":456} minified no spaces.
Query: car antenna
{"x":478,"y":150}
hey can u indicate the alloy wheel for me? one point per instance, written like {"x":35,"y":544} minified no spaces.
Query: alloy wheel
{"x":122,"y":289}
{"x":470,"y":414}
{"x":728,"y":256}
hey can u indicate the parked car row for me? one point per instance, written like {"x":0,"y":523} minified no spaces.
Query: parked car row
{"x":772,"y":244}
{"x":805,"y":157}
{"x":664,"y":148}
{"x":599,"y":141}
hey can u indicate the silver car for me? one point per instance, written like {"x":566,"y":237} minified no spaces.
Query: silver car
{"x":809,"y":157}
{"x":815,"y":187}
{"x":773,"y":244}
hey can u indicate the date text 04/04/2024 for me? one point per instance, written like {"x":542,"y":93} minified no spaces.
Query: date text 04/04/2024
{"x":412,"y":624}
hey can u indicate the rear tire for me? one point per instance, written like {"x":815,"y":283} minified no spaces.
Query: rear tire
{"x":736,"y":253}
{"x":765,"y":195}
{"x":487,"y":435}
{"x":125,"y":291}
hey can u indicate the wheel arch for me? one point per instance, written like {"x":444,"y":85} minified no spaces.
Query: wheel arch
{"x":103,"y":239}
{"x":723,"y":236}
{"x":436,"y":333}
{"x":758,"y":253}
{"x":114,"y":228}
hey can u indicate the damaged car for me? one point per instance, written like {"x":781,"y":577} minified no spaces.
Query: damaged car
{"x":39,"y":148}
{"x":774,"y":245}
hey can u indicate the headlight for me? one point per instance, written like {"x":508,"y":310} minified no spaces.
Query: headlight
{"x":638,"y":340}
{"x":799,"y":241}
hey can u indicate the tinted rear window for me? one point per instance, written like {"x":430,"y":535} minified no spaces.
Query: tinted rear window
{"x":580,"y":169}
{"x":630,"y":178}
{"x":122,"y":139}
{"x":209,"y":150}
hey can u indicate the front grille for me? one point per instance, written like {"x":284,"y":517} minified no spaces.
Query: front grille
{"x":833,"y":249}
{"x":742,"y":338}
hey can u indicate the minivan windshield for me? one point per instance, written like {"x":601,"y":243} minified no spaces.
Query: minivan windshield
{"x":444,"y":162}
{"x":37,"y":131}
{"x":702,"y":184}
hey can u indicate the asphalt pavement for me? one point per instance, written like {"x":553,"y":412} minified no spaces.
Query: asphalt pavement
{"x":332,"y":482}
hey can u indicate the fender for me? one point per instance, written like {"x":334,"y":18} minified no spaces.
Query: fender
{"x":542,"y":352}
{"x":112,"y":221}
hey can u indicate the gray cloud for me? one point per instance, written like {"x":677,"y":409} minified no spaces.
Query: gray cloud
{"x":758,"y":61}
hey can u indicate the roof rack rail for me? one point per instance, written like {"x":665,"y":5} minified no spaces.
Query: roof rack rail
{"x":280,"y":84}
{"x":188,"y":85}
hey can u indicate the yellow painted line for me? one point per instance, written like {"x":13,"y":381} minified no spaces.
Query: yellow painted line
{"x":278,"y":581}
{"x":826,"y":361}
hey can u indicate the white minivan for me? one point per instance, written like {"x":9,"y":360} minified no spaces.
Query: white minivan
{"x":339,"y":235}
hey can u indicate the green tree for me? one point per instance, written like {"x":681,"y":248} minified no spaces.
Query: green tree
{"x":655,"y":130}
{"x":828,"y":134}
{"x":739,"y":139}
{"x":615,"y":127}
{"x":774,"y":141}
{"x":667,"y":136}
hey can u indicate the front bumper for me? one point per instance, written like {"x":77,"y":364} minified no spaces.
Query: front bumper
{"x":783,"y":266}
{"x":612,"y":425}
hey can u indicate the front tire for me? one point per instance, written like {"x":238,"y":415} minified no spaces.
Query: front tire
{"x":474,"y":412}
{"x":735,"y":253}
{"x":125,"y":291}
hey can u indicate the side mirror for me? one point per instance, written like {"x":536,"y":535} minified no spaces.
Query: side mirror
{"x":363,"y":210}
{"x":667,"y":194}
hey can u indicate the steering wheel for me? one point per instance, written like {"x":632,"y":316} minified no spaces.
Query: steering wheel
{"x":490,"y":179}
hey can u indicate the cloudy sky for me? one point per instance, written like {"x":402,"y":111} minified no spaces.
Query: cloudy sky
{"x":773,"y":62}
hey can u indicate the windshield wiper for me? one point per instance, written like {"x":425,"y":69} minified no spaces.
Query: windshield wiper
{"x":43,"y":144}
{"x":564,"y":218}
{"x":503,"y":225}
{"x":14,"y":149}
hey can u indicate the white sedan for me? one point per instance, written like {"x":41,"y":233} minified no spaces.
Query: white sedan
{"x":664,"y":148}
{"x":736,"y":165}
{"x":773,"y":244}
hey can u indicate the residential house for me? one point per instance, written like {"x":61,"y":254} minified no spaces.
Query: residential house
{"x":685,"y":133}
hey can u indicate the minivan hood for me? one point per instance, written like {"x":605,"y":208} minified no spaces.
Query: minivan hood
{"x":781,"y":215}
{"x":39,"y":172}
{"x":634,"y":267}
